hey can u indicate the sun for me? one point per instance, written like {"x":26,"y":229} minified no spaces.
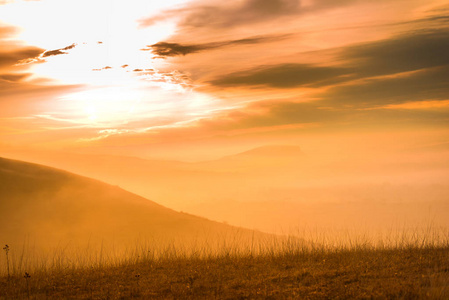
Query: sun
{"x":119,"y":83}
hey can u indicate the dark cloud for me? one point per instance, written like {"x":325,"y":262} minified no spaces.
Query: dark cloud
{"x":165,"y":49}
{"x":439,"y":20}
{"x":428,"y":84}
{"x":424,"y":53}
{"x":284,"y":76}
{"x":404,"y":53}
{"x":407,"y":52}
{"x":16,"y":54}
{"x":58,"y":51}
{"x":53,"y":53}
{"x":69,"y":47}
{"x":104,"y":68}
{"x":410,"y":67}
{"x":286,"y":113}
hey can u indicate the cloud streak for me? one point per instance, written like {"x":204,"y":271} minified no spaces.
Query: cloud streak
{"x":166,"y":49}
{"x":219,"y":14}
{"x":284,"y":76}
{"x":16,"y":54}
{"x":14,"y":77}
{"x":428,"y":84}
{"x":20,"y":93}
{"x":228,"y":13}
{"x":408,"y":52}
{"x":404,"y":53}
{"x":58,"y":51}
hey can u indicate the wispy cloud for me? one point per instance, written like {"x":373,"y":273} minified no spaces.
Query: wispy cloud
{"x":19,"y":92}
{"x":234,"y":13}
{"x":104,"y":68}
{"x":14,"y":54}
{"x":406,"y":52}
{"x":284,"y":76}
{"x":58,"y":51}
{"x":430,"y":83}
{"x":219,"y":14}
{"x":166,"y":49}
{"x":14,"y":77}
{"x":422,"y":50}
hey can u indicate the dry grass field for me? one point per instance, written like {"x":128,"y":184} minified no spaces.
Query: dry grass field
{"x":417,"y":269}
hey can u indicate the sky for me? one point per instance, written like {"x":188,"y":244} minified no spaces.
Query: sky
{"x":197,"y":80}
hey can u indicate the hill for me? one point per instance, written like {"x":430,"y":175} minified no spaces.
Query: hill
{"x":49,"y":207}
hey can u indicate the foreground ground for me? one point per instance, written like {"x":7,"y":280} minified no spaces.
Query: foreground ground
{"x":409,"y":273}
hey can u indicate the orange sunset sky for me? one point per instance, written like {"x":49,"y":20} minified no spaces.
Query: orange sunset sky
{"x":197,"y":80}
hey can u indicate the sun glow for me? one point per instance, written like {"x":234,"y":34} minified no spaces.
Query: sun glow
{"x":120,"y":83}
{"x":52,"y":23}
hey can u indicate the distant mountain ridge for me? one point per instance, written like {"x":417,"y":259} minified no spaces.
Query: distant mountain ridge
{"x":193,"y":181}
{"x":272,"y":150}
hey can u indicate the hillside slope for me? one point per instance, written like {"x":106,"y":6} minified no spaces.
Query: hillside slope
{"x":49,"y":206}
